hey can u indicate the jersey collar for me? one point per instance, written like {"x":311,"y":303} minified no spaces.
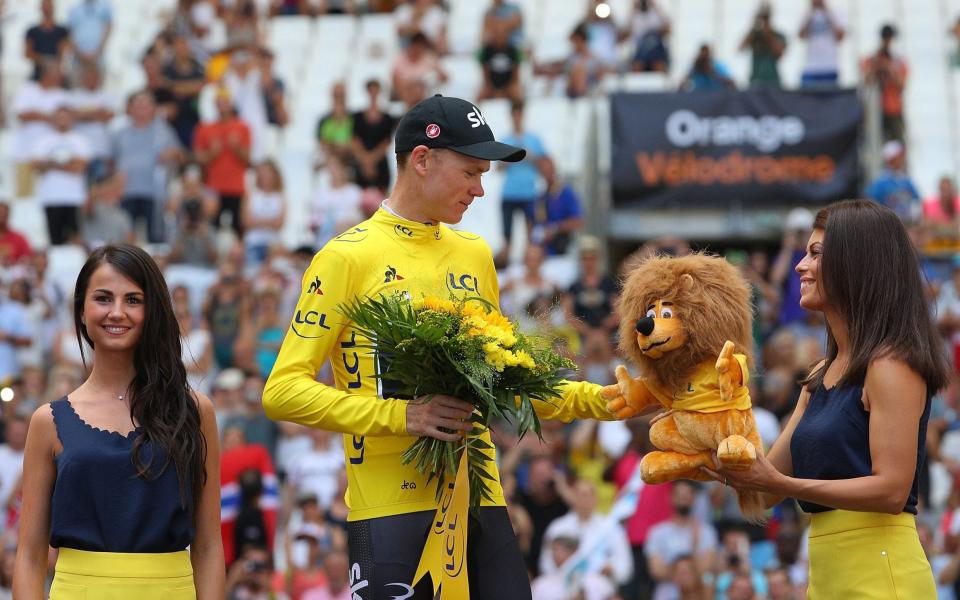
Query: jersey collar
{"x":404,"y":229}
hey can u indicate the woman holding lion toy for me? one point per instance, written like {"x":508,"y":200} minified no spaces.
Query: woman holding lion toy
{"x":852,"y":451}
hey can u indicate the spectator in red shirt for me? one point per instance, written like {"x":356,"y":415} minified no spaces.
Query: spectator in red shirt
{"x":13,"y":245}
{"x":222,"y":147}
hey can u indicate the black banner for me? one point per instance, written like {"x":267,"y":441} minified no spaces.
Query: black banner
{"x":764,"y":147}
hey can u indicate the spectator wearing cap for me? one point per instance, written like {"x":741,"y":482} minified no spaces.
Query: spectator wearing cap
{"x":893,"y":187}
{"x":589,"y":303}
{"x":308,"y":570}
{"x":783,"y":277}
{"x":888,"y":73}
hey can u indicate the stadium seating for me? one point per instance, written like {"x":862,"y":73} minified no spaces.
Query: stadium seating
{"x":312,"y":54}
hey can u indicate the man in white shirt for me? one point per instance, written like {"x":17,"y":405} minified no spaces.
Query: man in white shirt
{"x":93,"y":109}
{"x":823,"y":29}
{"x":603,"y":546}
{"x":60,"y":158}
{"x":316,"y":470}
{"x":33,"y":106}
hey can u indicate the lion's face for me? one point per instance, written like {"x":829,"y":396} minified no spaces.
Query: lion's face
{"x":660,"y":330}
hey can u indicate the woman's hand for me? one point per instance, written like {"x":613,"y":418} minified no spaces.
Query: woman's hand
{"x":761,"y":477}
{"x":427,"y":414}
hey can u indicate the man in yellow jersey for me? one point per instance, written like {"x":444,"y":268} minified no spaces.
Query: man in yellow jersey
{"x":443,"y":147}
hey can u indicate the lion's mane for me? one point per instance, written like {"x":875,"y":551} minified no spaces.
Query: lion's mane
{"x":714,"y":308}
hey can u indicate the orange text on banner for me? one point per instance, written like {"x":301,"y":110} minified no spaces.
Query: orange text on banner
{"x":445,"y":553}
{"x":687,"y":168}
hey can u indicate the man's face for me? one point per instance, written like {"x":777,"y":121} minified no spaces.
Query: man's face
{"x":455,"y":180}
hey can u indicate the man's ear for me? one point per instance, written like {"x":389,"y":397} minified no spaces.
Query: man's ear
{"x":686,"y":282}
{"x":419,"y":158}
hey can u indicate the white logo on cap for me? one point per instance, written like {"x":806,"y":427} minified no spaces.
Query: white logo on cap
{"x":475,"y":118}
{"x":433,"y":130}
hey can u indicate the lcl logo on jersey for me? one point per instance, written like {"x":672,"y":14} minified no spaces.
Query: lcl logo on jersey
{"x":315,"y":287}
{"x":465,"y":282}
{"x":475,"y":118}
{"x":306,"y":322}
{"x":403,"y":230}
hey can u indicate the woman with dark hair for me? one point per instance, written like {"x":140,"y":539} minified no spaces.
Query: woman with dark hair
{"x":853,"y":449}
{"x":123,"y":473}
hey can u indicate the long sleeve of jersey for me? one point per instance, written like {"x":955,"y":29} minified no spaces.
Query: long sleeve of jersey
{"x":316,"y":335}
{"x":578,"y":400}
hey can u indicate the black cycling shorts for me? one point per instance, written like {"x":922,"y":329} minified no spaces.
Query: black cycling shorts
{"x":384,"y":554}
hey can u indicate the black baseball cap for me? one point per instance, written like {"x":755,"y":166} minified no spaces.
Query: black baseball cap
{"x":453,"y":123}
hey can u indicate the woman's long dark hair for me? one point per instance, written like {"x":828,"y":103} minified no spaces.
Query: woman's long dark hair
{"x":870,"y":273}
{"x":160,"y":398}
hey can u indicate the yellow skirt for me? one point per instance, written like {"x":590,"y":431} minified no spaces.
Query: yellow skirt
{"x":860,"y":555}
{"x":85,"y":575}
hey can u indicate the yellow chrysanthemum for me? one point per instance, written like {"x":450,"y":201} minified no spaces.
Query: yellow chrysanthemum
{"x":439,"y":305}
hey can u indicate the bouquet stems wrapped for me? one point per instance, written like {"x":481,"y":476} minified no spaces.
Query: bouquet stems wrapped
{"x":468,"y":350}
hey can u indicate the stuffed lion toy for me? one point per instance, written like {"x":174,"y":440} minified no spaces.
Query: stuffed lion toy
{"x":687,"y":323}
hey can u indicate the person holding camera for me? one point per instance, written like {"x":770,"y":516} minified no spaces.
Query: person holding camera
{"x":195,"y":243}
{"x":60,"y":159}
{"x":249,"y":578}
{"x":766,"y":45}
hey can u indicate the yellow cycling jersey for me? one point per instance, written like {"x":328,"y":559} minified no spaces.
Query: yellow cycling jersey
{"x":703,"y":390}
{"x":383,"y":255}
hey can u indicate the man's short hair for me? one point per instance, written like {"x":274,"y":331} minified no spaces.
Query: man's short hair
{"x":402,"y":158}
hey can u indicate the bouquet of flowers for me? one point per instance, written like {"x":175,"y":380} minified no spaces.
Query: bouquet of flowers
{"x":468,"y":350}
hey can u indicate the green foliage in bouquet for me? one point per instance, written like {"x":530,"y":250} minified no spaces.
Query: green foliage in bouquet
{"x":468,"y":350}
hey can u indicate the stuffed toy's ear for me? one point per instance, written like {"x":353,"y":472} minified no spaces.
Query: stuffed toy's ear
{"x":686,"y":282}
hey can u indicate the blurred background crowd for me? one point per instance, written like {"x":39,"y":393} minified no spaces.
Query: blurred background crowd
{"x":233,"y":138}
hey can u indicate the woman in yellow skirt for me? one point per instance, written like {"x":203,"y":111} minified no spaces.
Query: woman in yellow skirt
{"x":853,"y":448}
{"x":122,"y":475}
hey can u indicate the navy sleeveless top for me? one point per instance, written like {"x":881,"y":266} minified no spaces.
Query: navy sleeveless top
{"x":99,"y":502}
{"x":832,"y":441}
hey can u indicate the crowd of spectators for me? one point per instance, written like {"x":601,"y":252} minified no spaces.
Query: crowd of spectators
{"x":209,"y":200}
